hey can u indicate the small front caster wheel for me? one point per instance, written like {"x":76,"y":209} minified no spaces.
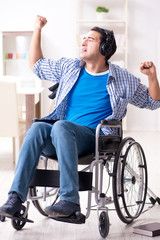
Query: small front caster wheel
{"x":19,"y":221}
{"x":104,"y":224}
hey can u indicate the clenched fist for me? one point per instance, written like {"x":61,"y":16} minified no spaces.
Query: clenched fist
{"x":148,"y":68}
{"x":40,"y":22}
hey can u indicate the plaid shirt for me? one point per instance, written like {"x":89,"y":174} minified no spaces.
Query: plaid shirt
{"x":122,"y":86}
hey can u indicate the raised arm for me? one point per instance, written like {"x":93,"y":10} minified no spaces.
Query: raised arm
{"x":35,"y":51}
{"x":148,"y":68}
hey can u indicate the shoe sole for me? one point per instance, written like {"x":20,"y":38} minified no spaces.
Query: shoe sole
{"x":5,"y":214}
{"x":54,"y":214}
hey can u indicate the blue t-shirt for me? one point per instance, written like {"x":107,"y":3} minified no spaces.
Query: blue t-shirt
{"x":88,"y":101}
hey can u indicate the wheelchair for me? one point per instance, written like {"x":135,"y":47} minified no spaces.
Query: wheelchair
{"x":122,"y":160}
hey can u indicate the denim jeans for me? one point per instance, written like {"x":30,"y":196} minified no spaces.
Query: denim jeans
{"x":65,"y":139}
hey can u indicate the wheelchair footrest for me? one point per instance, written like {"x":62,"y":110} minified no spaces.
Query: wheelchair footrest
{"x":22,"y":219}
{"x":158,"y":200}
{"x":17,"y":217}
{"x":77,"y":218}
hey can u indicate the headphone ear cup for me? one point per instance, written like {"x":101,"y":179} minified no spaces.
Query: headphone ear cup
{"x":105,"y":48}
{"x":101,"y":48}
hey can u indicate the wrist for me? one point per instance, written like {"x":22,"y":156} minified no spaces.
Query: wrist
{"x":152,"y":78}
{"x":37,"y":29}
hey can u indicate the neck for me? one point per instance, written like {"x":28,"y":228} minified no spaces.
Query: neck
{"x":96,"y":68}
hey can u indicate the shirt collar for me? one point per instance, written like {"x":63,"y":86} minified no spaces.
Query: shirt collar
{"x":82,"y":63}
{"x":112,"y":74}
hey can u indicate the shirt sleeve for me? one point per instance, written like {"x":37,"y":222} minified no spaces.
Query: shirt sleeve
{"x":48,"y":69}
{"x":142,"y":99}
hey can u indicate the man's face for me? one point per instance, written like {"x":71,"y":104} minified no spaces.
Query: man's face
{"x":90,"y":47}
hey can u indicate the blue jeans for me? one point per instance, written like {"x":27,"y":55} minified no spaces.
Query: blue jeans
{"x":65,"y":139}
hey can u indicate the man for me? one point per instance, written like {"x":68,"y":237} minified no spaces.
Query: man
{"x":90,"y":89}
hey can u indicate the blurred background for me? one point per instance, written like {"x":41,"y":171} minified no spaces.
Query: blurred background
{"x":134,"y":22}
{"x":136,"y":26}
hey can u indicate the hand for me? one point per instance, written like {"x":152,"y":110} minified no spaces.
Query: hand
{"x":148,"y":68}
{"x":40,"y":22}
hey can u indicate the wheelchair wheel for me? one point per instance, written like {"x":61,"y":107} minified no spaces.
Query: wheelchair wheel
{"x":18,"y":224}
{"x":130,"y":180}
{"x":104,"y":224}
{"x":44,"y":196}
{"x":134,"y":180}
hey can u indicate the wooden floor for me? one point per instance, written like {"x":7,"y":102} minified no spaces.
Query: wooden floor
{"x":47,"y":229}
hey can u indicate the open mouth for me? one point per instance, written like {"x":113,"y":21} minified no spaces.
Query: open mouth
{"x":83,"y":50}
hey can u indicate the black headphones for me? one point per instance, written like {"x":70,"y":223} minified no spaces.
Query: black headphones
{"x":106,"y":46}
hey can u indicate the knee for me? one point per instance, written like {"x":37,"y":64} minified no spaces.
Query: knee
{"x":60,"y":128}
{"x":38,"y":129}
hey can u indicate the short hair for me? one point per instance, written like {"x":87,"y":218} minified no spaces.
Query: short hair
{"x":103,"y":39}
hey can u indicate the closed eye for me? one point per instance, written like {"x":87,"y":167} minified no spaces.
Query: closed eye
{"x":89,"y":38}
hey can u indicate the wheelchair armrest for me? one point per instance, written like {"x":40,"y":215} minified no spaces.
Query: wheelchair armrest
{"x":111,"y":123}
{"x":108,"y":143}
{"x":35,"y":120}
{"x":44,"y":120}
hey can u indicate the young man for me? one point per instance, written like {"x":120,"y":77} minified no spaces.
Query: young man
{"x":90,"y":89}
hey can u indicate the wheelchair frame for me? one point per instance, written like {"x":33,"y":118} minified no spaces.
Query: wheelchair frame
{"x":125,"y":163}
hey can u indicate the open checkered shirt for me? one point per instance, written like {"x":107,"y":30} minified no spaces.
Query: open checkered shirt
{"x":122,"y":86}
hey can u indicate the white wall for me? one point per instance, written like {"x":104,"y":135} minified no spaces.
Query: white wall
{"x":58,"y":41}
{"x":57,"y":37}
{"x":143,"y":30}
